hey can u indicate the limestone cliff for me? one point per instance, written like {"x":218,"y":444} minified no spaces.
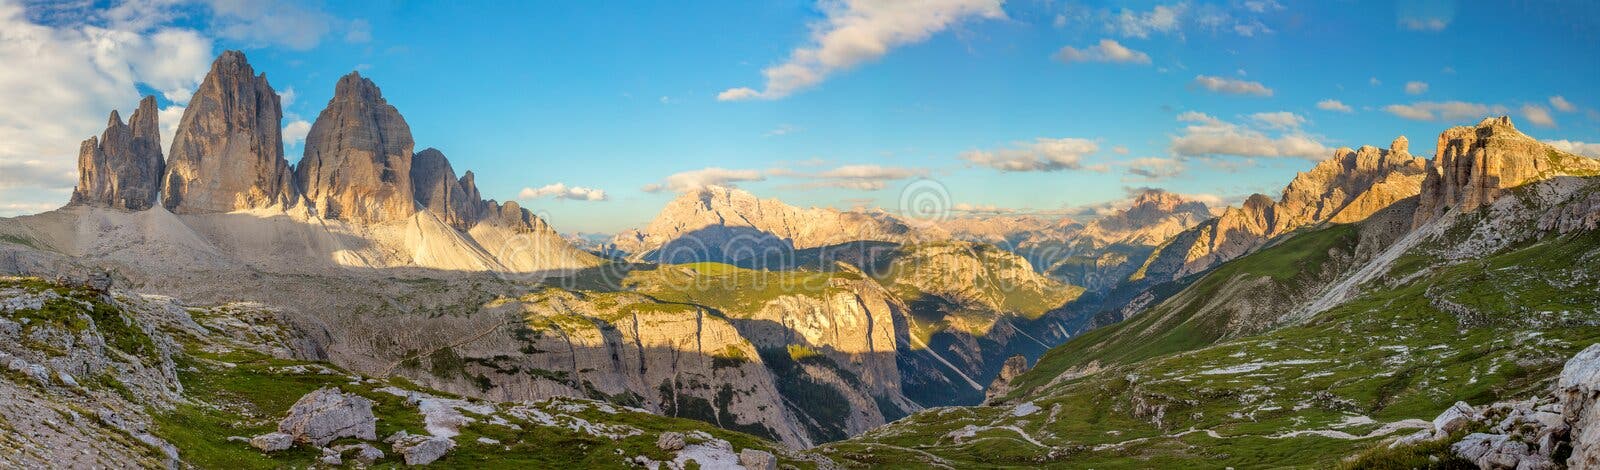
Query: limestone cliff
{"x":122,"y":169}
{"x":227,"y":153}
{"x":1474,"y":165}
{"x":439,"y":191}
{"x":1349,"y":187}
{"x":357,"y":163}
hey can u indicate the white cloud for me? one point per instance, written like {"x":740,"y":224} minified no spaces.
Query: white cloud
{"x":1120,"y":150}
{"x":1043,"y":154}
{"x":859,"y":177}
{"x":1443,"y":111}
{"x":286,"y":97}
{"x":1231,"y":86}
{"x":1580,"y":148}
{"x":1106,"y":51}
{"x":1333,"y":105}
{"x":261,"y":23}
{"x":358,"y":31}
{"x":1538,"y":115}
{"x":59,"y":82}
{"x":1374,"y":81}
{"x":860,"y":31}
{"x":1416,"y":88}
{"x":737,"y":94}
{"x":696,"y":179}
{"x":1279,"y":120}
{"x":1561,"y":104}
{"x":562,"y":191}
{"x":294,"y":133}
{"x":1155,"y":168}
{"x":1425,"y":24}
{"x":1209,"y":136}
{"x":1160,"y":19}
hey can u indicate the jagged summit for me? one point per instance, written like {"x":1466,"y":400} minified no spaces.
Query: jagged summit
{"x":122,"y":168}
{"x":715,"y":218}
{"x":1476,"y":164}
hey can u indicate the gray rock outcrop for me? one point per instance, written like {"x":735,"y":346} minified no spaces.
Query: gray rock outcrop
{"x":1577,"y":391}
{"x":753,"y":459}
{"x":1014,"y":366}
{"x":227,"y":153}
{"x":122,"y":168}
{"x":422,"y":450}
{"x":357,"y":164}
{"x":272,"y":442}
{"x":454,"y":201}
{"x":326,"y":414}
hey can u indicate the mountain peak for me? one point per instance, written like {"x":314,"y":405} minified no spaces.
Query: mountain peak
{"x":227,"y":153}
{"x":357,"y":163}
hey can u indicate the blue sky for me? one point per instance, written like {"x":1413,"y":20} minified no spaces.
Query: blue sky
{"x":1211,"y":99}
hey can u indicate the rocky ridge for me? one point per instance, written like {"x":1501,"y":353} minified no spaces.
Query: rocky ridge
{"x":725,"y":224}
{"x":122,"y":168}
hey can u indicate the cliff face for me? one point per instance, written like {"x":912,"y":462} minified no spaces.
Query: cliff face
{"x":1350,"y":187}
{"x":122,"y":169}
{"x":357,"y":165}
{"x":227,"y":153}
{"x":1477,"y":164}
{"x":439,"y":191}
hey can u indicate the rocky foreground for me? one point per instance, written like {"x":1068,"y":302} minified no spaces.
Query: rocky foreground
{"x":96,"y":379}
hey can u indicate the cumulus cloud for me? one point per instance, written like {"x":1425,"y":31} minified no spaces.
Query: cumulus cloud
{"x":1160,"y":19}
{"x":1155,"y":168}
{"x":1425,"y":24}
{"x":1444,"y":110}
{"x":1106,"y":51}
{"x":859,"y":31}
{"x":562,"y":191}
{"x":1580,"y":148}
{"x":294,"y":133}
{"x":1279,"y":120}
{"x":1209,"y":136}
{"x":1043,"y":154}
{"x":1416,"y":88}
{"x":1538,"y":115}
{"x":1561,"y":104}
{"x":1333,"y":105}
{"x":1231,"y":86}
{"x":697,"y":179}
{"x":78,"y":73}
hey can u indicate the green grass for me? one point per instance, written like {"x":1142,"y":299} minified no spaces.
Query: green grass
{"x":1190,"y":319}
{"x":1387,"y":355}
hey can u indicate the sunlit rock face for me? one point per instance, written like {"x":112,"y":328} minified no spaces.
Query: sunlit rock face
{"x":227,"y":153}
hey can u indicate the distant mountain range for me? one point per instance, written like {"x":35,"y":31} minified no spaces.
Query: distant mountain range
{"x":182,"y":303}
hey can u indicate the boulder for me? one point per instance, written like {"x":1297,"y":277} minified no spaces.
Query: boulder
{"x":272,"y":442}
{"x":227,"y":152}
{"x":327,"y":414}
{"x":753,"y":459}
{"x":1496,"y":451}
{"x":1014,"y":366}
{"x":1455,"y":418}
{"x":670,"y":441}
{"x":422,"y":450}
{"x":1576,"y":391}
{"x":357,"y":164}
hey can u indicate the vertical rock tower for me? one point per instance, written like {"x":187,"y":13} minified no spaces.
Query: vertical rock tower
{"x":357,"y":165}
{"x":122,"y":168}
{"x":227,"y":153}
